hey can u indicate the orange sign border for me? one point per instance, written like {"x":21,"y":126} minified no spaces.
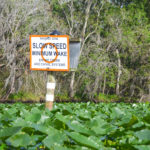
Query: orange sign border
{"x":49,"y":69}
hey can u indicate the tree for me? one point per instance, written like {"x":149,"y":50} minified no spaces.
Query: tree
{"x":17,"y":21}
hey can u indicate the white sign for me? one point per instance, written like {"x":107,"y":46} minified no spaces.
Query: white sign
{"x":49,"y":52}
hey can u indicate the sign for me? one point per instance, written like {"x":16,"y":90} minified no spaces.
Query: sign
{"x":74,"y":47}
{"x":49,"y":52}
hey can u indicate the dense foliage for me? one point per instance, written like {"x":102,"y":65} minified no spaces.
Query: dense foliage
{"x":115,"y":40}
{"x":75,"y":126}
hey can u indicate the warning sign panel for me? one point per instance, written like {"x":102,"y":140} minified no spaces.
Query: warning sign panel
{"x":49,"y":52}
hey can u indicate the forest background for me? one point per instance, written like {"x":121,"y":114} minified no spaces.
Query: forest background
{"x":115,"y":48}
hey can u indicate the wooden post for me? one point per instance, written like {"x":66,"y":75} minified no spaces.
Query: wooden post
{"x":50,"y":86}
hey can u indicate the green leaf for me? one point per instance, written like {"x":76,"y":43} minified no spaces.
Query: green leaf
{"x":142,"y":147}
{"x":33,"y":117}
{"x":36,"y":137}
{"x":59,"y":147}
{"x":143,"y":134}
{"x":12,"y":111}
{"x":76,"y":126}
{"x":60,"y":121}
{"x":3,"y":146}
{"x":83,"y":114}
{"x":83,"y":140}
{"x":138,"y":125}
{"x":67,"y":111}
{"x":55,"y":139}
{"x":61,"y":118}
{"x":117,"y":112}
{"x":19,"y":122}
{"x":20,"y":140}
{"x":147,"y":118}
{"x":6,"y":132}
{"x":44,"y":129}
{"x":8,"y":117}
{"x":128,"y":121}
{"x":101,"y":127}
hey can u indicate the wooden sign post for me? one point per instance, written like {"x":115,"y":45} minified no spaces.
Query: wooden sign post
{"x":50,"y":86}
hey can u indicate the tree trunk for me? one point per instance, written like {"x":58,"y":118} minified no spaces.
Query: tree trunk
{"x":96,"y":85}
{"x":104,"y":86}
{"x":149,"y":85}
{"x":87,"y":12}
{"x":71,"y":94}
{"x":119,"y":73}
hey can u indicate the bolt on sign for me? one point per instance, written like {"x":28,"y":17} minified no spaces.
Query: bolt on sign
{"x":49,"y":52}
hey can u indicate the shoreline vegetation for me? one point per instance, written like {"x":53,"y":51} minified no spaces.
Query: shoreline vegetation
{"x":102,"y":98}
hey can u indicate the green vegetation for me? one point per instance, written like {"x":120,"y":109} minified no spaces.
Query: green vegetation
{"x":107,"y":98}
{"x":23,"y":96}
{"x":75,"y":126}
